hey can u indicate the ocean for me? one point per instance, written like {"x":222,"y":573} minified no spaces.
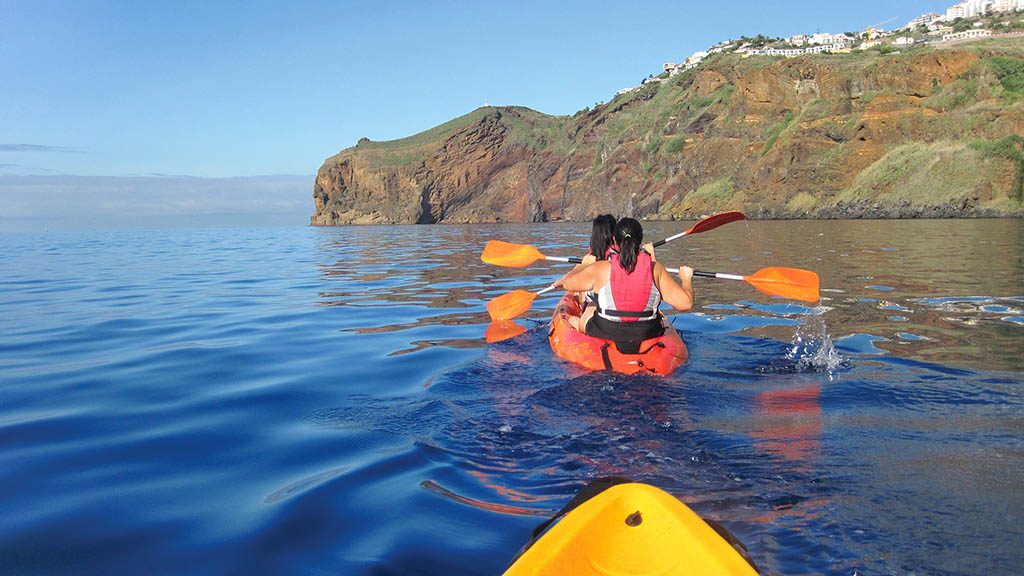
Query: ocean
{"x":301,"y":400}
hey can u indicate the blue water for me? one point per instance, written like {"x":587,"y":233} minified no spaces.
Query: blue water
{"x":321,"y":401}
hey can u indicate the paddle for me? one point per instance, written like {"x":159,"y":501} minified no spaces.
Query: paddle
{"x":512,"y":255}
{"x":792,"y":283}
{"x":513,"y":304}
{"x":499,"y":330}
{"x":709,"y":223}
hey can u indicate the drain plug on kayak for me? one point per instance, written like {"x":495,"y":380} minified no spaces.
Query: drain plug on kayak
{"x":634,"y":519}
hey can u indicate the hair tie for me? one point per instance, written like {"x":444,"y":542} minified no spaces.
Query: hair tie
{"x":626,"y":235}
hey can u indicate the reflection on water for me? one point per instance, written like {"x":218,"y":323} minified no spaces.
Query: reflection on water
{"x":790,"y":423}
{"x":782,"y":425}
{"x":322,"y":400}
{"x":953,"y":286}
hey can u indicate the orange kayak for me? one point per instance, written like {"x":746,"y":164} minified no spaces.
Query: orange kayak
{"x":657,"y":355}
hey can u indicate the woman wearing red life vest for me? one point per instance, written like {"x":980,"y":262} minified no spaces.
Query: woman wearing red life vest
{"x":629,"y":285}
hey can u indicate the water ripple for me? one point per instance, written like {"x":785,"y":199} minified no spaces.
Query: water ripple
{"x":321,"y":400}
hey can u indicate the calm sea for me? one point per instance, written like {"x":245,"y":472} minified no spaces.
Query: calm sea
{"x":321,"y":401}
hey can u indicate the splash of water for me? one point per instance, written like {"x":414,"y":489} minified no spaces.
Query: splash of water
{"x":812,"y":349}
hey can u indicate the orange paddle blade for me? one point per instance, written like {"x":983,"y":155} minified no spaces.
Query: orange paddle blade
{"x":712,"y":222}
{"x":508,"y":306}
{"x":502,"y":330}
{"x":511,"y":255}
{"x":786,"y":282}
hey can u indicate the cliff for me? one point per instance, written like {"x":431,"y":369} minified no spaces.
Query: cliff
{"x":930,"y":133}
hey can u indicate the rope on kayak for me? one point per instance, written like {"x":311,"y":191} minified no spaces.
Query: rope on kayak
{"x":605,"y":357}
{"x":653,"y":346}
{"x":608,"y":361}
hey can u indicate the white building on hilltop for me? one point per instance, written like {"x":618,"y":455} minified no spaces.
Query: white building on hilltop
{"x":695,"y":58}
{"x":794,"y":52}
{"x":967,"y":35}
{"x":969,"y":9}
{"x":825,"y":38}
{"x":827,"y":48}
{"x":721,"y":47}
{"x":873,"y":33}
{"x":820,"y":39}
{"x":1007,"y":5}
{"x":924,"y":20}
{"x":691,"y":62}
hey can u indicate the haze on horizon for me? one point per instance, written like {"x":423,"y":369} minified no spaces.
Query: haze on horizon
{"x":102,"y":89}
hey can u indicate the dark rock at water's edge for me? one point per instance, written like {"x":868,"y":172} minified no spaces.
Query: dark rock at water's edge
{"x":933,"y":133}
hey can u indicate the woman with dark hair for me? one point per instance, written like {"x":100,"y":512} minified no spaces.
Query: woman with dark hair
{"x":602,"y":245}
{"x":601,"y":238}
{"x":629,"y":285}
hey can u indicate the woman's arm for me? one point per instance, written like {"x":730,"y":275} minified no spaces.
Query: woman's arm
{"x":649,"y":248}
{"x":678,"y":296}
{"x":587,"y":261}
{"x":584,"y":278}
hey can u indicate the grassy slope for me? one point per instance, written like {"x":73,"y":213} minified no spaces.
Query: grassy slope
{"x":963,"y":153}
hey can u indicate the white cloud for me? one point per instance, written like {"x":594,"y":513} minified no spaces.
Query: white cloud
{"x":38,"y":148}
{"x":74,"y":202}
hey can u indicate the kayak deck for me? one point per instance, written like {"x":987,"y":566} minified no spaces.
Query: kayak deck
{"x":660,"y":355}
{"x":633,"y":529}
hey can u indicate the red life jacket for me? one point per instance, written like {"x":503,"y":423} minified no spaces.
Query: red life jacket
{"x":629,"y":297}
{"x":612,"y":249}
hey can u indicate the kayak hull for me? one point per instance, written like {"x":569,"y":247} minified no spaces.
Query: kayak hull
{"x":657,"y":355}
{"x":632,"y":529}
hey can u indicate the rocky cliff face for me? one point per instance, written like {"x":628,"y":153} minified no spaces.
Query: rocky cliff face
{"x":932,"y":133}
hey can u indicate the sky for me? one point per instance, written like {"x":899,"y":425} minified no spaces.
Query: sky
{"x":232,"y":90}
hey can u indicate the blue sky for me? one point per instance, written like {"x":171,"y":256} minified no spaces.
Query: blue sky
{"x":231,"y":89}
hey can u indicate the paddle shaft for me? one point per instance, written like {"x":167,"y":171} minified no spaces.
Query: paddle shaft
{"x":709,"y":223}
{"x":546,"y":290}
{"x":521,"y":255}
{"x":670,"y":271}
{"x":670,"y":238}
{"x":569,"y":259}
{"x":655,"y":244}
{"x":709,"y":274}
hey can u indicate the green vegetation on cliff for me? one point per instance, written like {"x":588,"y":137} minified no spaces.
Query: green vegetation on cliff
{"x":1010,"y":148}
{"x":923,"y":174}
{"x":1010,"y":72}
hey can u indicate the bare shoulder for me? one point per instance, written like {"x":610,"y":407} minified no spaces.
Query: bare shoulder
{"x":601,"y":270}
{"x":659,"y":271}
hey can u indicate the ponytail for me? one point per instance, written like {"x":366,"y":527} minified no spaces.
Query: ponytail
{"x":629,"y":235}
